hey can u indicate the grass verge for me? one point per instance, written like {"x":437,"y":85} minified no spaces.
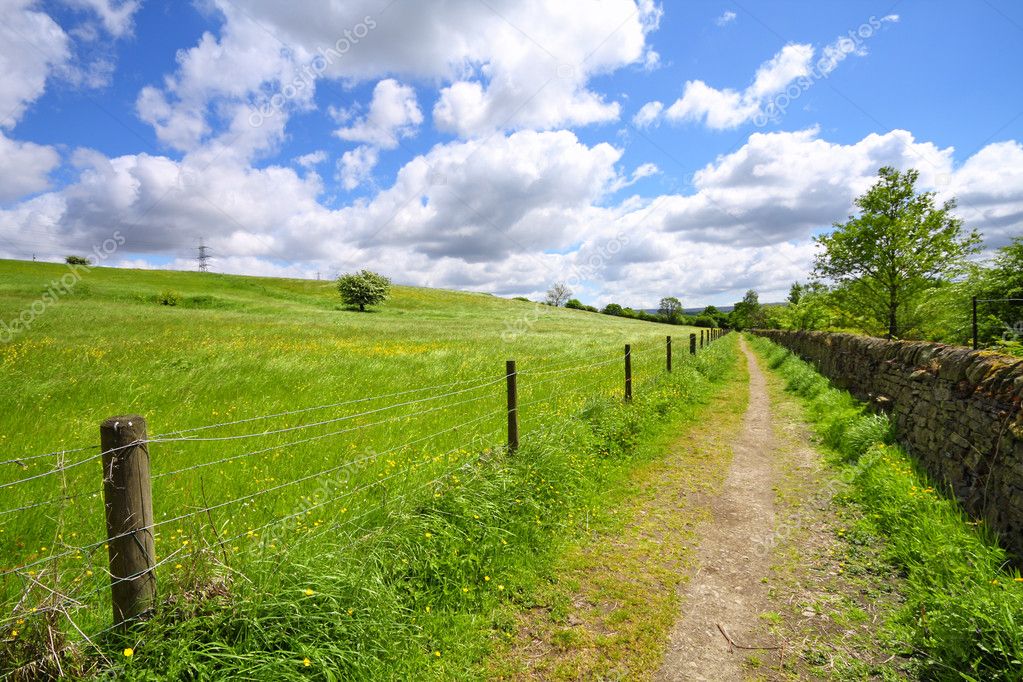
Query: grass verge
{"x":962,"y":609}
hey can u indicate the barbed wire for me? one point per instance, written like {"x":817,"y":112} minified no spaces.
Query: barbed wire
{"x":303,"y":512}
{"x":329,"y":435}
{"x":320,"y":407}
{"x":483,"y":382}
{"x":569,"y":391}
{"x":61,"y":469}
{"x":244,"y":498}
{"x":574,"y":368}
{"x":55,"y":453}
{"x":325,"y":422}
{"x":55,"y":500}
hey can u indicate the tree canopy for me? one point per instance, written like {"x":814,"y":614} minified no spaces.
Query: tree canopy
{"x":900,"y":245}
{"x":363,"y":288}
{"x":670,"y":309}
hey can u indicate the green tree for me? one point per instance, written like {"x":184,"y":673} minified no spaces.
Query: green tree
{"x":613,"y":309}
{"x":748,"y":313}
{"x":795,"y":293}
{"x":575,"y":304}
{"x":77,"y":260}
{"x":1002,"y":320}
{"x":363,"y":288}
{"x":808,"y":307}
{"x":670,"y":309}
{"x":899,"y":246}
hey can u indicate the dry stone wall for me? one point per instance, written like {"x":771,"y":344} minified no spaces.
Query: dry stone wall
{"x":956,"y":410}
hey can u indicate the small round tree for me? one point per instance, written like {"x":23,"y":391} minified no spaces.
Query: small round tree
{"x":363,"y":288}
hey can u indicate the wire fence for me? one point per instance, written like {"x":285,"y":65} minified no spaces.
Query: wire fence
{"x":353,"y":463}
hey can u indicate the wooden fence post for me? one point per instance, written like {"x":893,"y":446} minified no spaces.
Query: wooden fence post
{"x":974,"y":323}
{"x":692,"y":344}
{"x":128,"y":498}
{"x":513,"y":406}
{"x":668,"y":350}
{"x":628,"y":373}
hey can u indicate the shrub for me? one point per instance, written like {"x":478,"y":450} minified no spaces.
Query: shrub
{"x":169,"y":298}
{"x":363,"y":288}
{"x":77,"y":260}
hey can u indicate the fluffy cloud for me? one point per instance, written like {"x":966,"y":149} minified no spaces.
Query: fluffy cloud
{"x":508,"y":64}
{"x":729,"y":108}
{"x":116,"y":15}
{"x":356,"y":166}
{"x":33,"y":46}
{"x":24,"y":168}
{"x":393,"y":114}
{"x":989,"y":188}
{"x":648,"y":114}
{"x":514,"y":212}
{"x":726,"y":108}
{"x":783,"y":186}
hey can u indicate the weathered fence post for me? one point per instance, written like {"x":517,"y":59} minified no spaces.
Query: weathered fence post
{"x":692,"y":344}
{"x":668,"y":350}
{"x":628,"y":373}
{"x":128,"y":498}
{"x":974,"y":323}
{"x":701,"y":339}
{"x":513,"y":406}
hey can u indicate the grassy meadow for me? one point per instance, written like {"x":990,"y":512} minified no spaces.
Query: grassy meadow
{"x":267,"y":511}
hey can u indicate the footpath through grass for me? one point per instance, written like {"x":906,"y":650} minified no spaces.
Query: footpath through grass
{"x":606,"y":606}
{"x":327,"y":535}
{"x":961,"y":619}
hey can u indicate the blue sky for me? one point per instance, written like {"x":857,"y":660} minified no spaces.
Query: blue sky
{"x":635,"y":149}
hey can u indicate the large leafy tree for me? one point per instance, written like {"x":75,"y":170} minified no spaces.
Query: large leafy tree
{"x":363,"y":288}
{"x":670,"y":309}
{"x":899,"y":246}
{"x":748,"y":313}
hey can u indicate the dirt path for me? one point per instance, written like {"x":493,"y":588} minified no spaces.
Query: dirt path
{"x":727,"y":592}
{"x":732,"y":535}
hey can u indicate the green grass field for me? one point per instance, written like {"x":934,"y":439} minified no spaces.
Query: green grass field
{"x":228,"y":499}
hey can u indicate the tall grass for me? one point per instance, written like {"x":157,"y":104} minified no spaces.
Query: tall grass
{"x":377,"y":557}
{"x":963,"y":614}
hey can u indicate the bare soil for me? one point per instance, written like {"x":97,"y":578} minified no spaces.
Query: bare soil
{"x":727,"y":594}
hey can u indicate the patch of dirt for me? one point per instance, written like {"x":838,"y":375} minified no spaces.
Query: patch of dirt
{"x":725,"y":597}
